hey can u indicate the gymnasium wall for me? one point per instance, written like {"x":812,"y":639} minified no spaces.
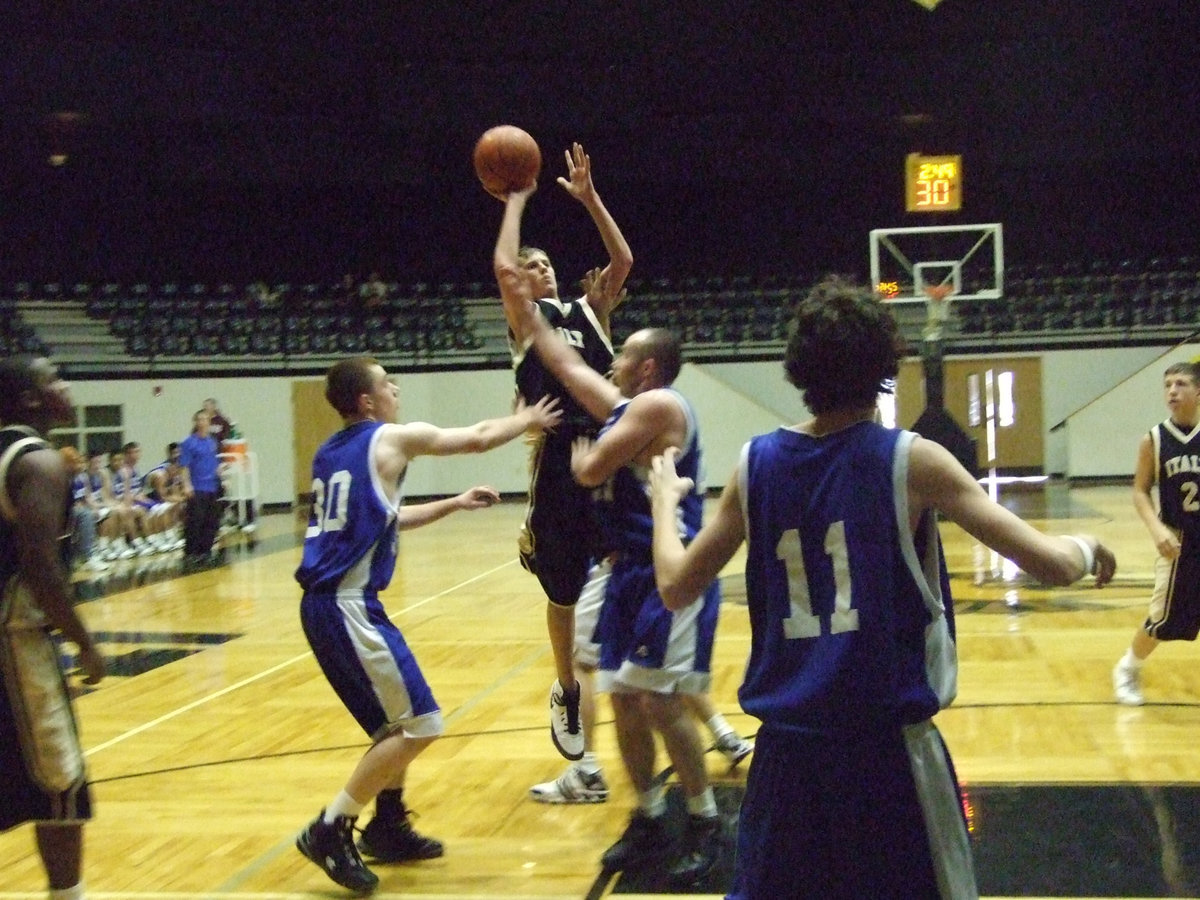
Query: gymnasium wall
{"x":1102,"y":432}
{"x":1107,"y":398}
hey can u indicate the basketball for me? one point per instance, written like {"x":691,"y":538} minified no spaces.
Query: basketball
{"x":507,"y":159}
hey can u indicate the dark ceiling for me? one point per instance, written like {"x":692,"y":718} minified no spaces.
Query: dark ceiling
{"x":297,"y":140}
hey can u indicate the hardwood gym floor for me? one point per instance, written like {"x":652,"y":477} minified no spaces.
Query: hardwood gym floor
{"x":216,"y":738}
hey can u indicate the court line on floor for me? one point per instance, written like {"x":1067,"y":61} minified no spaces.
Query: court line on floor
{"x":286,"y":845}
{"x":378,"y":895}
{"x":276,"y":895}
{"x":228,"y":889}
{"x":216,"y":695}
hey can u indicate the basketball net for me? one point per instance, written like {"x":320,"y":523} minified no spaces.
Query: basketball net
{"x":937,"y":292}
{"x":936,"y":308}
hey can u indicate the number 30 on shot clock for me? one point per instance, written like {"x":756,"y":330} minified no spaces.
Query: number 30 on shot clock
{"x":932,"y":183}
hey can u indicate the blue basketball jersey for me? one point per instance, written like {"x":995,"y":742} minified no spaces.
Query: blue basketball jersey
{"x":577,"y":324}
{"x":134,"y":482}
{"x":148,"y":482}
{"x":851,"y":616}
{"x":351,"y":539}
{"x":623,"y":502}
{"x":643,"y":645}
{"x":172,"y":480}
{"x":79,"y":488}
{"x":119,"y":482}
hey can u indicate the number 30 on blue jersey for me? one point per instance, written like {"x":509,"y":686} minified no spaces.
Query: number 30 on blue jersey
{"x":329,"y":504}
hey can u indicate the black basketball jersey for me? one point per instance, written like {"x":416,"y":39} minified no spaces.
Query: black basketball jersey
{"x":576,"y":322}
{"x":1178,"y":476}
{"x":16,"y":440}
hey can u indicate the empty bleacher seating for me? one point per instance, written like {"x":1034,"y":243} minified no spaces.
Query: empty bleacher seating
{"x":439,"y":320}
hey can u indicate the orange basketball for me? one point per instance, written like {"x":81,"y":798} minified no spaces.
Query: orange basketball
{"x":507,"y":159}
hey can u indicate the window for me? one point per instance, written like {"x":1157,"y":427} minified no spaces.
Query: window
{"x":1006,"y":407}
{"x":974,"y":403}
{"x":99,"y":429}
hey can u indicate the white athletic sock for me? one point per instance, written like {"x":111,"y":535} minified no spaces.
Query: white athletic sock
{"x":703,"y":804}
{"x":588,"y":763}
{"x":71,"y":893}
{"x":1129,"y":661}
{"x":343,"y":805}
{"x":653,"y":802}
{"x":717,"y":726}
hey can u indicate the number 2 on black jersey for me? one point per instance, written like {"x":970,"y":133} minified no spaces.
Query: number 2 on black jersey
{"x":1189,"y":491}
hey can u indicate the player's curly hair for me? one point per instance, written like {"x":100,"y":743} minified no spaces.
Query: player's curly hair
{"x":843,"y":347}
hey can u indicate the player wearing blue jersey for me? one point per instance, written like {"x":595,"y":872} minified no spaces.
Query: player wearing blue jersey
{"x":109,"y":524}
{"x":650,"y":658}
{"x":556,"y":541}
{"x":349,"y":556}
{"x":851,"y":792}
{"x":45,"y":780}
{"x":165,"y":487}
{"x":84,"y":521}
{"x":149,"y":519}
{"x":1169,"y":459}
{"x":127,"y":489}
{"x":112,"y":494}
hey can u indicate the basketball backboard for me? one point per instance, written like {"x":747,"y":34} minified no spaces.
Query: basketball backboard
{"x":970,"y":258}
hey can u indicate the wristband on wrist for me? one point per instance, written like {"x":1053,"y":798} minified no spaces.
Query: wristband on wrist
{"x":1089,"y":557}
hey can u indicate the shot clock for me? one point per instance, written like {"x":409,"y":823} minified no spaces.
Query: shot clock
{"x":932,"y":183}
